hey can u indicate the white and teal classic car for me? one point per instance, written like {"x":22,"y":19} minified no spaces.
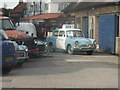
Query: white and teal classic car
{"x":70,"y":39}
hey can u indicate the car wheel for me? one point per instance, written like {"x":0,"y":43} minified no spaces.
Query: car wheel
{"x":31,"y":55}
{"x":89,"y":52}
{"x":69,"y":50}
{"x":51,"y":48}
{"x":6,"y":70}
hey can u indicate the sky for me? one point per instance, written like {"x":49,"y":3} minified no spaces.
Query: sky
{"x":9,"y":3}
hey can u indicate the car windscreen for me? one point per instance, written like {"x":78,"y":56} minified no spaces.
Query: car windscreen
{"x":6,"y":24}
{"x":3,"y":35}
{"x":74,"y":33}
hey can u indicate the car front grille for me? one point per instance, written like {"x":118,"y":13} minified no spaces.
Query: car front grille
{"x":41,"y":47}
{"x":86,"y":45}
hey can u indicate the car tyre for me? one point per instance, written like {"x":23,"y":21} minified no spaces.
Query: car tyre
{"x":6,"y":70}
{"x":89,"y":52}
{"x":69,"y":50}
{"x":32,"y":55}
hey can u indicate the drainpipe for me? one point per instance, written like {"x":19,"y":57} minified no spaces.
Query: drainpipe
{"x":40,"y":6}
{"x":34,"y":8}
{"x":88,"y":22}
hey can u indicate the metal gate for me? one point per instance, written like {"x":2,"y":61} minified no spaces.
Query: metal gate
{"x":107,"y":29}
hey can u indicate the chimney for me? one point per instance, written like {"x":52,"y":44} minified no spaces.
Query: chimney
{"x":20,"y":1}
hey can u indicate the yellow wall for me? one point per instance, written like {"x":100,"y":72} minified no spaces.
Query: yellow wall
{"x":117,"y":45}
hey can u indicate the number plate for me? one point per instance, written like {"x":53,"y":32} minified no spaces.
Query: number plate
{"x":20,"y":54}
{"x":9,"y":59}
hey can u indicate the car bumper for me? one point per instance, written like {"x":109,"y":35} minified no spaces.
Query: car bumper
{"x":41,"y":49}
{"x":21,"y":56}
{"x":83,"y":49}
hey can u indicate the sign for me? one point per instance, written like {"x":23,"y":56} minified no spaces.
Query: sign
{"x":67,"y":26}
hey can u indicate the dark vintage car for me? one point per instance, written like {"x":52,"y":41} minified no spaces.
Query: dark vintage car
{"x":7,"y":53}
{"x":35,"y":47}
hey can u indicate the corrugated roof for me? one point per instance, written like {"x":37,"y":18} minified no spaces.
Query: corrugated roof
{"x":85,"y":5}
{"x":44,"y":16}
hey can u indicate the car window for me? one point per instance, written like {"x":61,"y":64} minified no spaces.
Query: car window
{"x":62,"y":33}
{"x":55,"y":33}
{"x":6,"y":24}
{"x":74,"y":33}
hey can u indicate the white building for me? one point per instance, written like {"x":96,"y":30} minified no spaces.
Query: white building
{"x":35,"y":7}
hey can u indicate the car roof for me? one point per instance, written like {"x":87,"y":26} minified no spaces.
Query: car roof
{"x":66,"y":29}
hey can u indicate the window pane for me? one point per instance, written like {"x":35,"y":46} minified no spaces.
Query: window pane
{"x":55,"y":33}
{"x":61,"y":33}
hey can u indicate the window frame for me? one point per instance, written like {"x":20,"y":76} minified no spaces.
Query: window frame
{"x":62,"y":35}
{"x":55,"y":32}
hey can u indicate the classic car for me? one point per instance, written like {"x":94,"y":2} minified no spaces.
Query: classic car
{"x":70,"y":39}
{"x":43,"y":47}
{"x":35,"y":47}
{"x":7,"y":53}
{"x":27,"y":27}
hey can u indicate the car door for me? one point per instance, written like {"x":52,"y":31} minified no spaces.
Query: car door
{"x":61,"y":40}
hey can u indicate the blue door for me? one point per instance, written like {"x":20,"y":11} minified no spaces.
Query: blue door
{"x":107,"y":28}
{"x":86,"y":27}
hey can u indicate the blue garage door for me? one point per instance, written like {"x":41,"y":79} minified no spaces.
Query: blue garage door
{"x":86,"y":27}
{"x":107,"y":28}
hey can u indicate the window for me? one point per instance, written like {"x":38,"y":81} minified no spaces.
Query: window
{"x":31,"y":8}
{"x":62,"y":33}
{"x":46,"y":6}
{"x":74,"y":33}
{"x":6,"y":24}
{"x":36,"y":7}
{"x":60,"y":6}
{"x":55,"y":33}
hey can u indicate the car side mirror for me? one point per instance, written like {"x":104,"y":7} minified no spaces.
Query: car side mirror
{"x":23,"y":43}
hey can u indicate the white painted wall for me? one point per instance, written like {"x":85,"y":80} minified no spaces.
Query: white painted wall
{"x":52,"y":7}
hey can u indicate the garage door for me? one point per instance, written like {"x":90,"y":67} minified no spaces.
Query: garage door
{"x":107,"y":28}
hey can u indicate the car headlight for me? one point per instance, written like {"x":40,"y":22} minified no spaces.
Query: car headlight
{"x":76,"y":44}
{"x":95,"y":42}
{"x":35,"y":41}
{"x":26,"y":49}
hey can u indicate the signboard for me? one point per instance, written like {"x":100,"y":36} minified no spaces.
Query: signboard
{"x":67,"y":26}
